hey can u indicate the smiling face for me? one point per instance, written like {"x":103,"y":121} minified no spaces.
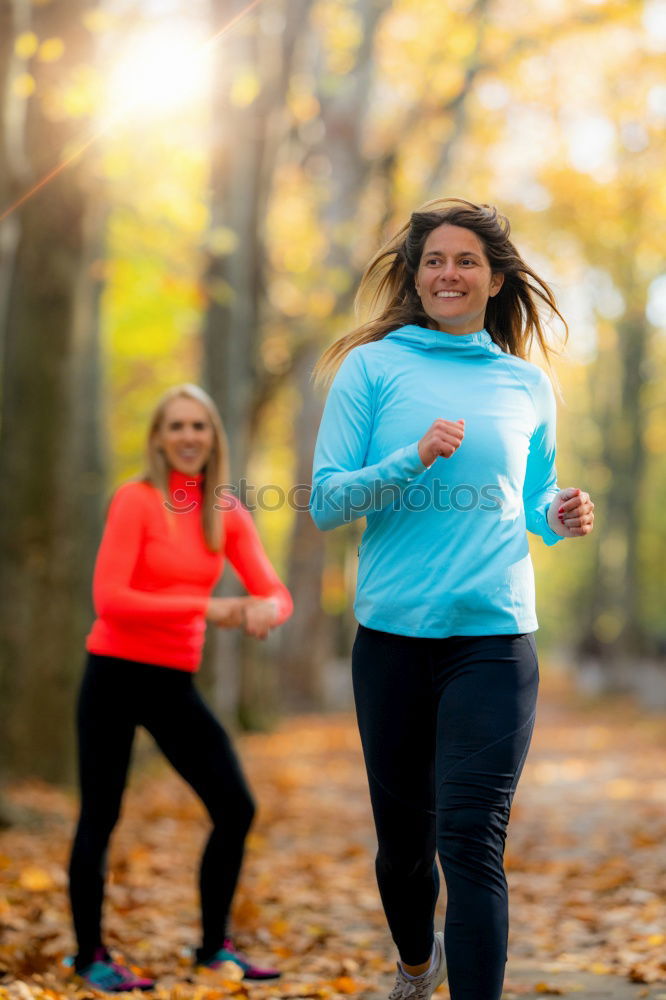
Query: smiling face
{"x":454,"y":280}
{"x":185,"y":435}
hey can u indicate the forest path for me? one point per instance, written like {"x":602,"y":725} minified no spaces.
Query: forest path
{"x":586,"y":861}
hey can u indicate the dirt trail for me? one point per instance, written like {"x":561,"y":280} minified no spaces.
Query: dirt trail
{"x":586,"y":860}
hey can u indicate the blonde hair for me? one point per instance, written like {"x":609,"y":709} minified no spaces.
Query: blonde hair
{"x":387,"y":298}
{"x":215,"y":471}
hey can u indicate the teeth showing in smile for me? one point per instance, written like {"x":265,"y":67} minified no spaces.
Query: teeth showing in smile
{"x":449,"y":295}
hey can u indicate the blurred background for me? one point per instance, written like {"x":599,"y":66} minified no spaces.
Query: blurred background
{"x":190,"y":190}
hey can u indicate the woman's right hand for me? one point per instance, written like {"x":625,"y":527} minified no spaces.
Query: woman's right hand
{"x":226,"y":612}
{"x":260,"y":616}
{"x":443,"y":438}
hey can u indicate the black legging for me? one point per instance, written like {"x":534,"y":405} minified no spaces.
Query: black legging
{"x":445,"y":726}
{"x":116,"y":696}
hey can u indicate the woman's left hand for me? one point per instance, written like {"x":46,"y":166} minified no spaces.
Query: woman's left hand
{"x":571,"y":514}
{"x":259,"y":616}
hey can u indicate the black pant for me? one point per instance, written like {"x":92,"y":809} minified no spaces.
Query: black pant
{"x":116,"y":696}
{"x":445,"y":726}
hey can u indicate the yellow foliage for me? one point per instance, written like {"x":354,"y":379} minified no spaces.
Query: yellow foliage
{"x":338,"y":279}
{"x":425,"y":65}
{"x":462,"y":41}
{"x":333,"y":590}
{"x":303,"y":106}
{"x":51,"y":50}
{"x":275,"y":352}
{"x":26,"y":44}
{"x":297,"y":257}
{"x":97,"y":20}
{"x":114,"y":163}
{"x":341,"y":30}
{"x":24,"y":85}
{"x":655,"y":440}
{"x":222,"y":241}
{"x":447,"y":78}
{"x":245,"y":89}
{"x":321,"y":303}
{"x":77,"y":96}
{"x":287,"y":297}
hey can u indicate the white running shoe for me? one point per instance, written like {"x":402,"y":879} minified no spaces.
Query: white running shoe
{"x":422,"y":987}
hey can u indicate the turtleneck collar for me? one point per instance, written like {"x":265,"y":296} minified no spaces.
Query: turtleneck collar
{"x":185,"y":490}
{"x":480,"y":343}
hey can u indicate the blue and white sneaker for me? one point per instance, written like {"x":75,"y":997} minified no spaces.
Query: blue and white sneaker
{"x":422,"y":987}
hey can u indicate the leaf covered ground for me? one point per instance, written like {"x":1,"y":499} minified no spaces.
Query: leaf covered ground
{"x":586,"y":860}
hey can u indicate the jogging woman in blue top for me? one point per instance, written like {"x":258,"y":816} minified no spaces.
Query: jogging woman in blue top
{"x":442,"y":434}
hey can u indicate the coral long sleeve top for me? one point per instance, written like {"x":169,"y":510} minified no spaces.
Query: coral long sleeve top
{"x":154,"y":573}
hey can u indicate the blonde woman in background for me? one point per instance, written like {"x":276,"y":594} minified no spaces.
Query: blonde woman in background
{"x":165,"y":543}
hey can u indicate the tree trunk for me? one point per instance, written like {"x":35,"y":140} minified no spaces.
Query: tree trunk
{"x":233,"y":283}
{"x":49,"y":451}
{"x":245,"y":140}
{"x":308,"y":640}
{"x":234,"y":274}
{"x":306,"y":637}
{"x":8,"y":236}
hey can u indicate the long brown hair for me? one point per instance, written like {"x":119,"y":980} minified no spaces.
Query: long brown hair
{"x":215,"y":471}
{"x":387,"y":298}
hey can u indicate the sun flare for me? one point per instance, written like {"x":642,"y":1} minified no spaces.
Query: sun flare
{"x":162,"y":69}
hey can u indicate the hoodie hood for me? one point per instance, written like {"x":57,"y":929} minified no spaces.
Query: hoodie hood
{"x":468,"y":344}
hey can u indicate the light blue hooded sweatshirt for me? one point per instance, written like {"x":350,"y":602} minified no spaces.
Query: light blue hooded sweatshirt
{"x":445,"y":549}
